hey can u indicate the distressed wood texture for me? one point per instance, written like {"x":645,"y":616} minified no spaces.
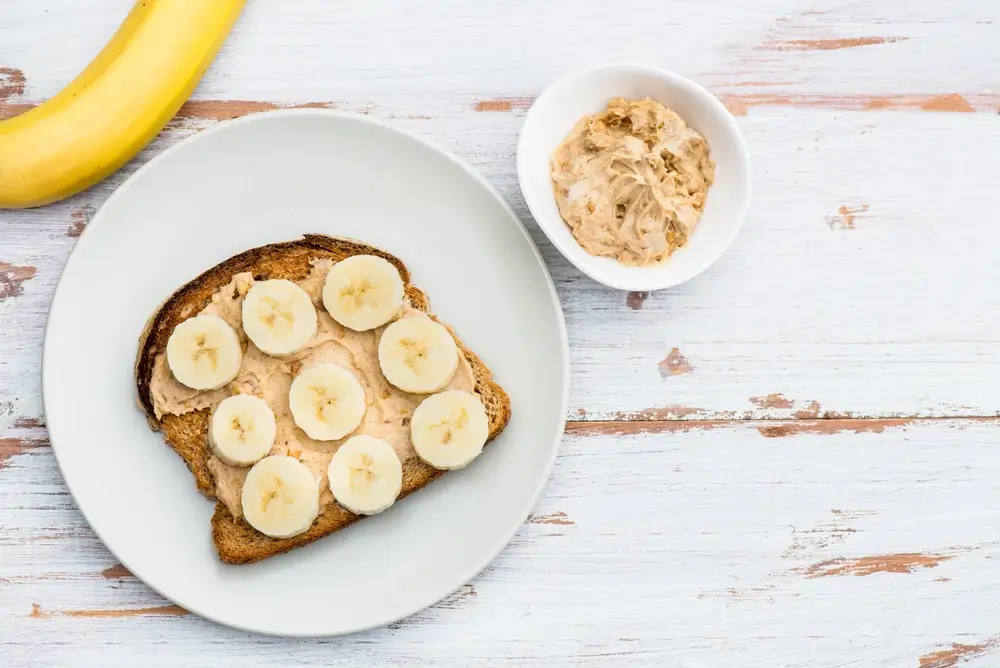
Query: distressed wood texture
{"x":790,"y":461}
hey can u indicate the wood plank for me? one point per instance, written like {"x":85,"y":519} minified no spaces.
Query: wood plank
{"x":882,"y":320}
{"x":763,"y":466}
{"x":818,"y":550}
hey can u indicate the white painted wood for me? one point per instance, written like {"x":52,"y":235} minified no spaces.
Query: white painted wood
{"x":685,"y":541}
{"x":677,"y":548}
{"x":894,"y":317}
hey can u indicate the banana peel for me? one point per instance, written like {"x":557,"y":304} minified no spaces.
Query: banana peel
{"x":115,"y":106}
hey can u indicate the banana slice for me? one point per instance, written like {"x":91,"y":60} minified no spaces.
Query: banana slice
{"x":417,"y":355}
{"x":327,"y":402}
{"x":363,"y":292}
{"x":279,"y":317}
{"x":365,"y":475}
{"x":280,"y":497}
{"x":448,"y":430}
{"x":242,"y":430}
{"x":204,"y":352}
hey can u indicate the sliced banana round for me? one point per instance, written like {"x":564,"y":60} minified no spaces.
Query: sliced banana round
{"x":241,"y":430}
{"x":365,"y":475}
{"x":278,"y":317}
{"x":204,"y":352}
{"x":417,"y":355}
{"x":363,"y":292}
{"x":448,"y":430}
{"x":327,"y":402}
{"x":280,"y":497}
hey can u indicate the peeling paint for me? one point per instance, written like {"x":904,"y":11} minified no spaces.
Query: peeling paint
{"x":958,"y":653}
{"x":635,"y":427}
{"x":553,"y":518}
{"x":26,"y":422}
{"x":46,"y":537}
{"x":10,"y":110}
{"x":12,"y":447}
{"x":828,"y":44}
{"x":844,"y":219}
{"x":635,"y":300}
{"x":831,"y":426}
{"x":224,"y":110}
{"x":664,"y":413}
{"x":12,"y":279}
{"x":116,"y":572}
{"x":776,"y":400}
{"x":672,"y":419}
{"x":504,"y":104}
{"x":951,"y":102}
{"x":79,"y":218}
{"x":674,"y":364}
{"x":12,"y":83}
{"x":905,"y":562}
{"x":811,"y":411}
{"x":735,"y":106}
{"x":162,"y":610}
{"x":739,"y":104}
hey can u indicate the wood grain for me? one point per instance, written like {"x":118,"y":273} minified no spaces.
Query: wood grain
{"x":958,"y":654}
{"x":884,"y":563}
{"x":732,"y":525}
{"x":11,"y":82}
{"x":828,"y":44}
{"x":788,"y":461}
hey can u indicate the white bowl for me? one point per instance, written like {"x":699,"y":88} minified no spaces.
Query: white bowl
{"x":555,"y":112}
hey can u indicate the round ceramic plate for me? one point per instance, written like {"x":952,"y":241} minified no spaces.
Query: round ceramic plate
{"x":270,"y":178}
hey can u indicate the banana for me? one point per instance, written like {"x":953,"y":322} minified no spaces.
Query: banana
{"x":116,"y":105}
{"x":327,"y":402}
{"x":204,"y":352}
{"x":280,"y":497}
{"x":242,"y":429}
{"x":448,"y":430}
{"x":365,"y":475}
{"x":417,"y":355}
{"x":278,"y":317}
{"x":363,"y":292}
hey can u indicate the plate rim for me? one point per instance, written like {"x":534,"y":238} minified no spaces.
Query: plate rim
{"x":489,"y":189}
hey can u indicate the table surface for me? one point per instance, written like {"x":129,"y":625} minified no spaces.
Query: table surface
{"x":789,"y":461}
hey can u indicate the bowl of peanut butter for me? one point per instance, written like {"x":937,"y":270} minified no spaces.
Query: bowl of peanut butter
{"x":639,"y":176}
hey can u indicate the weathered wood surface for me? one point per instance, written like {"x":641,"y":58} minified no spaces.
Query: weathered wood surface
{"x":851,"y":520}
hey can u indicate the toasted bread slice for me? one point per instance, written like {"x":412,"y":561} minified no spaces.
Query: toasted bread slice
{"x":236,"y":541}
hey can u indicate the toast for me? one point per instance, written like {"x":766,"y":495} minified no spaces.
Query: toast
{"x":235,"y":540}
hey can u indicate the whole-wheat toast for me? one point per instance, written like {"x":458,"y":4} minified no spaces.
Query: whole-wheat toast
{"x":236,"y":541}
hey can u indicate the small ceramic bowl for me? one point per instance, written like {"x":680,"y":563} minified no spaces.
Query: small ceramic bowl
{"x":557,"y":110}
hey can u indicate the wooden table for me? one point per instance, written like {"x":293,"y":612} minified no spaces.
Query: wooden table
{"x":792,"y":460}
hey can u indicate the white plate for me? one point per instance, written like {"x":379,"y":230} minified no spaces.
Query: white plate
{"x":270,"y":178}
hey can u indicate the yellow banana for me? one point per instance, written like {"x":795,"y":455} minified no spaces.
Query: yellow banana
{"x":121,"y":101}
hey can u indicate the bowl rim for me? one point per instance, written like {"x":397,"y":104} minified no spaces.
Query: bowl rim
{"x":574,"y":252}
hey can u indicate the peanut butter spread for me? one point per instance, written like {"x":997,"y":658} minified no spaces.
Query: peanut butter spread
{"x":631,"y":181}
{"x":388,"y":409}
